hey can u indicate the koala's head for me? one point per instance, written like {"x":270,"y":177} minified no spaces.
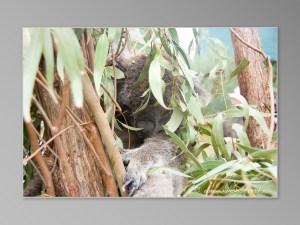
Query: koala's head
{"x":151,"y":120}
{"x":136,"y":176}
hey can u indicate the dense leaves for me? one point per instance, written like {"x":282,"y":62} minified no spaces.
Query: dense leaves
{"x":215,"y":165}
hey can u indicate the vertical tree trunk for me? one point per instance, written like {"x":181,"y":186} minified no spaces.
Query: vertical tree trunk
{"x":254,"y":81}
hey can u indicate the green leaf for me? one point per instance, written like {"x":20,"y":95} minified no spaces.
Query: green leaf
{"x":211,"y":164}
{"x":100,"y":60}
{"x":183,"y":54}
{"x":194,"y":107}
{"x":60,"y":67}
{"x":166,"y":45}
{"x":173,"y":34}
{"x":188,"y":73}
{"x":113,"y":34}
{"x":31,"y":57}
{"x":217,"y":170}
{"x":201,"y":148}
{"x":145,"y":102}
{"x":71,"y":57}
{"x":243,"y":64}
{"x":49,"y":59}
{"x":217,"y":105}
{"x":234,"y":112}
{"x":180,"y":144}
{"x":175,"y":120}
{"x":259,"y":153}
{"x":130,"y":127}
{"x":158,"y":170}
{"x":144,"y":75}
{"x":265,"y":154}
{"x":119,"y":142}
{"x":218,"y":136}
{"x":259,"y":117}
{"x":248,"y":148}
{"x":164,"y":63}
{"x":109,"y":72}
{"x":241,"y":134}
{"x":157,"y":85}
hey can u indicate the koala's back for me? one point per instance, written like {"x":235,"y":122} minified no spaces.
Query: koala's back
{"x":161,"y":186}
{"x":157,"y":151}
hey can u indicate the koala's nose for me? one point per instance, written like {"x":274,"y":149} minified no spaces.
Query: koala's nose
{"x":130,"y":185}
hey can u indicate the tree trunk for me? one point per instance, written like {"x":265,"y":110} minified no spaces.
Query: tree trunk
{"x":254,"y":81}
{"x":83,"y":169}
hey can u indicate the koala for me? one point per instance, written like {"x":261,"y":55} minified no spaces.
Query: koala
{"x":157,"y":151}
{"x":153,"y":117}
{"x":153,"y":147}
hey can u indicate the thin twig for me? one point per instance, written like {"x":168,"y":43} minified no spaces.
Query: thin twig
{"x":105,"y":89}
{"x":89,"y":144}
{"x":119,"y":51}
{"x":42,"y":111}
{"x":247,"y":44}
{"x":115,"y":91}
{"x":64,"y":104}
{"x":115,"y":102}
{"x":90,"y":50}
{"x":43,"y":141}
{"x":103,"y":126}
{"x":272,"y":110}
{"x":40,"y":82}
{"x":25,"y":161}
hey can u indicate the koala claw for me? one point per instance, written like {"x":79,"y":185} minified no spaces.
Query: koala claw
{"x":131,"y":185}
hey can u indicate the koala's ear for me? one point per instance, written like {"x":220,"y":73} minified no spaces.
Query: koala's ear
{"x":126,"y":156}
{"x":122,"y":63}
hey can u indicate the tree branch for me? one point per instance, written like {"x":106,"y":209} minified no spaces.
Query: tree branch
{"x":40,"y":160}
{"x":247,"y":44}
{"x":106,"y":134}
{"x":44,"y":114}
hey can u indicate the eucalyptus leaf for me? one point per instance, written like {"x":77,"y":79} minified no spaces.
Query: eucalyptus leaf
{"x":175,"y":120}
{"x":49,"y":59}
{"x":217,"y":170}
{"x":71,"y":56}
{"x":242,"y":65}
{"x":60,"y":67}
{"x":110,"y":71}
{"x":265,"y":154}
{"x":241,"y":134}
{"x":114,"y":34}
{"x":157,"y":85}
{"x":100,"y":60}
{"x":259,"y":117}
{"x":31,"y":57}
{"x":218,"y":136}
{"x":180,"y":144}
{"x":130,"y":127}
{"x":173,"y":34}
{"x":194,"y":107}
{"x":182,"y":54}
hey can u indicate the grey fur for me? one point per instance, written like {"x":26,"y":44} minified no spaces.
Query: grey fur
{"x":157,"y":151}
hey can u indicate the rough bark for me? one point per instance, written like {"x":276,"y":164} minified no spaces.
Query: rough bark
{"x":254,"y":81}
{"x":85,"y":170}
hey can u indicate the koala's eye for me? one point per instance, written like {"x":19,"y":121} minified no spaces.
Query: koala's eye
{"x":147,"y":125}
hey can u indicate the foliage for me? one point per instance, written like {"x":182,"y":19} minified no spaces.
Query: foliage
{"x":215,"y":165}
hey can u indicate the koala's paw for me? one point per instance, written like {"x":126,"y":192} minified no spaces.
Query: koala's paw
{"x":134,"y":179}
